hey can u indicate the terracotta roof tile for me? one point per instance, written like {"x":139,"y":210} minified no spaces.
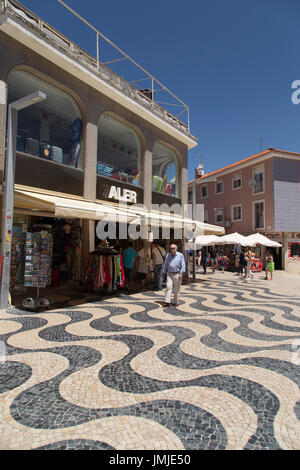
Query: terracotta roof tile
{"x":232,"y":165}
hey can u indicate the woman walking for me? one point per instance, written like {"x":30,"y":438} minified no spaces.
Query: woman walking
{"x":249,"y":257}
{"x":269,"y":265}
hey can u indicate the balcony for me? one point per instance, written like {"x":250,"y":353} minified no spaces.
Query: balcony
{"x":26,"y":27}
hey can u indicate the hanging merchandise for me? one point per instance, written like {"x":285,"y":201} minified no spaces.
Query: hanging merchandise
{"x":104,"y":270}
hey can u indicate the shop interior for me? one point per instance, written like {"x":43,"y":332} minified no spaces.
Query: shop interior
{"x":48,"y":269}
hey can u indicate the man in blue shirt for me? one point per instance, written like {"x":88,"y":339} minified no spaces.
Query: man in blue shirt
{"x":129,"y":255}
{"x":174,"y":267}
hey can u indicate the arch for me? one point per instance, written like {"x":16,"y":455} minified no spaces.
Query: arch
{"x":119,"y":153}
{"x":166,"y":167}
{"x":53,"y":128}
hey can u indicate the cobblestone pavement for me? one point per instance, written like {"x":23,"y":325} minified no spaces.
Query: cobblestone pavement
{"x":217,"y":372}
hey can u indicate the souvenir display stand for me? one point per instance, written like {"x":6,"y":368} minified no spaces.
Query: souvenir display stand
{"x":38,"y":258}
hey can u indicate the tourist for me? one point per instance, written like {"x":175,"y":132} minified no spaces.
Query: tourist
{"x":249,"y":257}
{"x":213,"y":258}
{"x":174,"y":267}
{"x":129,"y":255}
{"x":143,"y":263}
{"x":204,"y":259}
{"x":158,"y":257}
{"x":269,"y":265}
{"x":242,"y":263}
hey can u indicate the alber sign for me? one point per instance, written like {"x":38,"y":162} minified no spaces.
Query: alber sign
{"x":120,"y":194}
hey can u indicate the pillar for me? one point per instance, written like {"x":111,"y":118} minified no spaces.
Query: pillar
{"x":285,"y":251}
{"x":147,"y":178}
{"x":3,"y":110}
{"x":90,"y":183}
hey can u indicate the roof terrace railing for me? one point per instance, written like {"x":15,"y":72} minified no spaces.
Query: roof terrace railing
{"x":146,"y":96}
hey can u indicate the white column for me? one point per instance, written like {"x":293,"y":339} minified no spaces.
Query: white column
{"x":285,"y":251}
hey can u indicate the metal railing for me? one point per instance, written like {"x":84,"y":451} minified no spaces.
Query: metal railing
{"x":146,"y":97}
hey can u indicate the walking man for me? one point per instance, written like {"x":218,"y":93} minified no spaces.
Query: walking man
{"x":214,"y":258}
{"x":174,"y":267}
{"x":158,"y":257}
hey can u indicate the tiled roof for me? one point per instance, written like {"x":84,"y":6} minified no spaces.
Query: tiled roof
{"x":232,"y":165}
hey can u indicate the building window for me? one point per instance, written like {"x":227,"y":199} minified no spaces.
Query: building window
{"x":295,"y":249}
{"x":204,"y":191}
{"x":219,"y":218}
{"x":219,"y":187}
{"x":50,"y":129}
{"x":236,"y":213}
{"x":119,"y":151}
{"x":259,"y":216}
{"x":237,"y":181}
{"x":258,"y":176}
{"x":164,"y":170}
{"x":190,"y":196}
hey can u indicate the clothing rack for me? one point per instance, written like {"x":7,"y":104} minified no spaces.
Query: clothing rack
{"x":104,"y":270}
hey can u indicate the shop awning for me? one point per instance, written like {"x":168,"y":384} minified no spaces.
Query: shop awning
{"x":64,"y":207}
{"x":56,"y":206}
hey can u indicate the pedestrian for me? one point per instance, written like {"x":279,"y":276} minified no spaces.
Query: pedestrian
{"x":269,"y":265}
{"x":158,"y":258}
{"x":129,"y":255}
{"x":249,"y":257}
{"x":143,"y":263}
{"x":204,"y":259}
{"x":222,"y":262}
{"x":242,"y":262}
{"x":174,"y":267}
{"x":198,"y":259}
{"x":214,"y":258}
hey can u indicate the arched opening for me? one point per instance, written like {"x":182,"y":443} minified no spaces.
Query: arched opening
{"x":51,"y":129}
{"x":164,"y":170}
{"x":119,"y":151}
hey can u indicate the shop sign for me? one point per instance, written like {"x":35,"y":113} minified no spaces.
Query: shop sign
{"x":122,"y":194}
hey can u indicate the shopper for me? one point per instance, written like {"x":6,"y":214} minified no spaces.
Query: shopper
{"x":174,"y":267}
{"x":249,"y":257}
{"x":143,"y":264}
{"x":222,"y":262}
{"x":158,"y":258}
{"x":213,"y":258}
{"x":269,"y":265}
{"x":242,"y":262}
{"x":129,"y":255}
{"x":204,"y":259}
{"x":198,"y":259}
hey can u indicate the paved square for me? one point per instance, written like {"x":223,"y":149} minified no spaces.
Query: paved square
{"x":221,"y":371}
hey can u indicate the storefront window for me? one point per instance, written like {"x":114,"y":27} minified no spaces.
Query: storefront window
{"x":119,"y":151}
{"x":164,"y":170}
{"x":50,"y":129}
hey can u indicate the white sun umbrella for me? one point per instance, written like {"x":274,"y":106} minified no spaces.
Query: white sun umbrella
{"x":236,"y":239}
{"x":206,"y":240}
{"x":258,"y":238}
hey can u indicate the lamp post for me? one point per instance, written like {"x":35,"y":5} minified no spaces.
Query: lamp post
{"x":8,"y":206}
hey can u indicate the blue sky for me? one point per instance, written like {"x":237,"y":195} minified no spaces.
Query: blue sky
{"x":233,"y":63}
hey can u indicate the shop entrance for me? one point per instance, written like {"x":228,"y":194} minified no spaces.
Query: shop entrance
{"x":46,"y":263}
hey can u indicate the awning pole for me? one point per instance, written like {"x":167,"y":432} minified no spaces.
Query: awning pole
{"x":194,"y":240}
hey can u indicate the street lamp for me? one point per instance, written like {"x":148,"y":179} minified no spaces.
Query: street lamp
{"x":8,"y":208}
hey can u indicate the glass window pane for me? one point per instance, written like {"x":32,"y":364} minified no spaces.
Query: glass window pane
{"x":259,"y":215}
{"x":119,"y":151}
{"x":164,"y":170}
{"x":50,"y":129}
